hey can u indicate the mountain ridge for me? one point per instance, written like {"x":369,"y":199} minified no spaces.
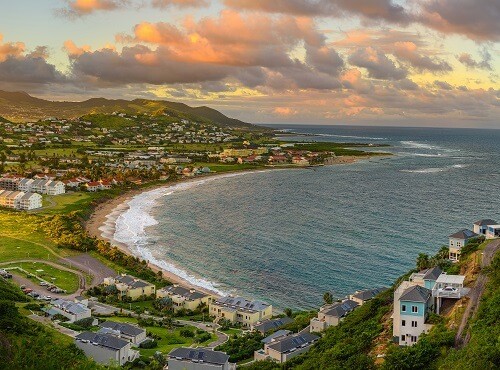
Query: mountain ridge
{"x":21,"y":106}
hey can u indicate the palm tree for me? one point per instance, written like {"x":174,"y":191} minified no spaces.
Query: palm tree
{"x":328,"y":298}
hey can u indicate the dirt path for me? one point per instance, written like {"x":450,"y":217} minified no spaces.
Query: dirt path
{"x":476,"y":294}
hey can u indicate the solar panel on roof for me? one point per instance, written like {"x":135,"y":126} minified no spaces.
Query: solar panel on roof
{"x":201,"y":355}
{"x":191,"y":354}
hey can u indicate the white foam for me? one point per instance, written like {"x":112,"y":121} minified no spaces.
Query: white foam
{"x":436,"y":169}
{"x":352,"y":137}
{"x":130,"y":226}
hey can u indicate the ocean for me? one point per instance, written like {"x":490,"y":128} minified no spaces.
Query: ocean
{"x":288,"y":236}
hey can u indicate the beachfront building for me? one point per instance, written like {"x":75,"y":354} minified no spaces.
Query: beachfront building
{"x":106,"y":349}
{"x":184,"y":298}
{"x":129,"y":332}
{"x":131,"y":287}
{"x":240,"y":310}
{"x":417,"y":297}
{"x":481,"y":226}
{"x":493,"y":232}
{"x":20,"y":200}
{"x":198,"y":359}
{"x":331,"y":315}
{"x":272,"y":324}
{"x":459,"y":240}
{"x":72,"y":310}
{"x":283,"y":348}
{"x":42,"y":186}
{"x":363,"y":296}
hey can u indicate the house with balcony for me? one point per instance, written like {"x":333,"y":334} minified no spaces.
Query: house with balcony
{"x":240,"y":310}
{"x":106,"y":349}
{"x":332,"y":315}
{"x":184,"y":298}
{"x":448,"y":287}
{"x":283,"y":348}
{"x":459,"y":240}
{"x":412,"y":306}
{"x":123,"y":330}
{"x":493,"y":232}
{"x":129,"y":286}
{"x":72,"y":310}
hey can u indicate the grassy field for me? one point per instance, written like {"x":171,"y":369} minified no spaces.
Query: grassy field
{"x":170,"y":338}
{"x":68,"y":202}
{"x":63,"y":279}
{"x":20,"y":239}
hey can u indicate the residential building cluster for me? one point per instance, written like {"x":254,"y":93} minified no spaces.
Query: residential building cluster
{"x":131,"y":287}
{"x":20,"y":200}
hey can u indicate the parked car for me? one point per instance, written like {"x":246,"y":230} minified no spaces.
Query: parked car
{"x":48,"y":298}
{"x":450,"y":289}
{"x":43,"y":283}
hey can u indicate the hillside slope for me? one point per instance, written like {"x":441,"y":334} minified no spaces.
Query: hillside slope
{"x":20,"y":106}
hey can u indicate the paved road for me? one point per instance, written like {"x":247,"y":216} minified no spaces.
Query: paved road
{"x":476,"y":294}
{"x":93,"y":266}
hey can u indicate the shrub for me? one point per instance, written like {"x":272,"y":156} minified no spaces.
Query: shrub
{"x":85,"y":323}
{"x":148,"y":344}
{"x":187,"y":333}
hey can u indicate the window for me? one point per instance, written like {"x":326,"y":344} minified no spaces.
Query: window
{"x":413,"y":338}
{"x":413,"y":324}
{"x":403,"y":338}
{"x":414,"y":309}
{"x":403,"y":323}
{"x":403,"y":308}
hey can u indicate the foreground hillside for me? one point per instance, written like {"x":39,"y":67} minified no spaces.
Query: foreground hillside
{"x":20,"y":106}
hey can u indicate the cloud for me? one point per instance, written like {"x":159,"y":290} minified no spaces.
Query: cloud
{"x":180,"y":3}
{"x":385,"y":10}
{"x":443,"y":85}
{"x":476,"y":19}
{"x":10,"y":49}
{"x":253,"y":49}
{"x":377,"y":64}
{"x":284,"y":111}
{"x":408,"y":51}
{"x":467,"y":60}
{"x":74,"y":51}
{"x":79,"y":8}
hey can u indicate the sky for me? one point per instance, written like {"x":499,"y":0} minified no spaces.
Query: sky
{"x":371,"y":62}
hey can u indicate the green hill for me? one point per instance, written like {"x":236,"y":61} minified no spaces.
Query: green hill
{"x":3,"y":120}
{"x":20,"y":106}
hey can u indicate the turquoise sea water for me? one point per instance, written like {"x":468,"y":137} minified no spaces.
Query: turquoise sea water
{"x":288,"y":236}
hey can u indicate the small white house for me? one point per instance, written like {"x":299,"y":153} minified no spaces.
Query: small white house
{"x":481,"y":226}
{"x":457,"y":241}
{"x":106,"y":349}
{"x":493,"y":232}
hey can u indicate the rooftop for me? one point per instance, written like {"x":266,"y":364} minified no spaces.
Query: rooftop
{"x":464,"y":234}
{"x":199,"y":355}
{"x":451,"y":279}
{"x":272,"y":324}
{"x":242,"y":303}
{"x":340,"y":309}
{"x":104,"y":340}
{"x":277,"y":334}
{"x":432,"y":273}
{"x":124,"y":328}
{"x":293,"y":342}
{"x":368,"y":294}
{"x":190,"y":294}
{"x":416,"y":293}
{"x":485,"y":222}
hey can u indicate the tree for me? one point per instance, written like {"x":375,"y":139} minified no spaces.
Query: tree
{"x":288,"y":312}
{"x":423,"y":261}
{"x":328,"y":298}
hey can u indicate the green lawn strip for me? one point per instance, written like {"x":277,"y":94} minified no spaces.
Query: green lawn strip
{"x":218,"y":167}
{"x":66,"y":203}
{"x":232,"y":331}
{"x":170,"y":338}
{"x":63,"y":279}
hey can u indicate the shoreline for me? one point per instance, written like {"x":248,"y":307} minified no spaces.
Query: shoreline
{"x":102,"y":222}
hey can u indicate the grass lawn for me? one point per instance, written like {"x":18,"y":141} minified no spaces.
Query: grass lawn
{"x":20,"y":239}
{"x":232,"y":331}
{"x":66,"y":203}
{"x":170,"y":338}
{"x":63,"y":279}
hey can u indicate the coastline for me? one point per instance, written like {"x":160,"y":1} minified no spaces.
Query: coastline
{"x":102,"y":222}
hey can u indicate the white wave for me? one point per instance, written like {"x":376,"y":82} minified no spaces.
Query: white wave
{"x":438,"y":155}
{"x":436,"y":169}
{"x":130,"y":226}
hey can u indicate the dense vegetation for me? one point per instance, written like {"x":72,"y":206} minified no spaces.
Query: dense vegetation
{"x":25,"y":344}
{"x":242,"y":347}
